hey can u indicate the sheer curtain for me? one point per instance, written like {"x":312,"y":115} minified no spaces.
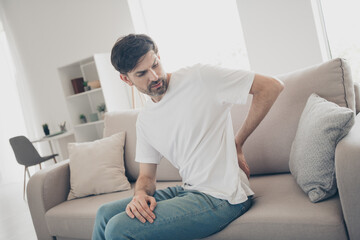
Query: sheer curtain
{"x":11,"y":120}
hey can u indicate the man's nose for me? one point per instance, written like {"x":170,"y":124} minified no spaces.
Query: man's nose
{"x":153,"y":75}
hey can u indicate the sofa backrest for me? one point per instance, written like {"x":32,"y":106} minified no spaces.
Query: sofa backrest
{"x":267,"y":150}
{"x":126,"y":121}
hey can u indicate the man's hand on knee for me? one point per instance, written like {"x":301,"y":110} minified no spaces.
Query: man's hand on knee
{"x":139,"y":208}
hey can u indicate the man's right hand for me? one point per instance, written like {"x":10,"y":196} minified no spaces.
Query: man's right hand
{"x":139,"y":208}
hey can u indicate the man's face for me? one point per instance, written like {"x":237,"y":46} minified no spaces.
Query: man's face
{"x":148,"y":76}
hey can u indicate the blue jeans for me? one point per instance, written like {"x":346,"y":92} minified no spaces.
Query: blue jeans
{"x":180,"y":214}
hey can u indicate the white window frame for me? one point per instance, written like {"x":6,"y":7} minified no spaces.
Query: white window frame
{"x":321,"y":29}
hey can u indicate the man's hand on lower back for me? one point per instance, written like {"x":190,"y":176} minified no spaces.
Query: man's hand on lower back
{"x":242,"y":162}
{"x":142,"y":207}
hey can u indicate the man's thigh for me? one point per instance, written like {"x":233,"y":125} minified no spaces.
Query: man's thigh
{"x":108,"y":210}
{"x":190,"y":215}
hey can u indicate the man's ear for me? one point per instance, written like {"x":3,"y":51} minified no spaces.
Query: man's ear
{"x":126,"y":79}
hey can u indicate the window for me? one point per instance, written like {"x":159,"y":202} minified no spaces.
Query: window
{"x":202,"y":31}
{"x":341,"y":19}
{"x":11,"y":120}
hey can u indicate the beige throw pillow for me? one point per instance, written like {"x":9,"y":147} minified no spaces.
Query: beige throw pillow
{"x":97,"y":167}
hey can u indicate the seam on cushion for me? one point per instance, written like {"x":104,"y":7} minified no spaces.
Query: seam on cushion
{"x":54,"y":217}
{"x":341,"y":223}
{"x":44,"y":193}
{"x":334,"y":182}
{"x":344,"y":135}
{"x":343,"y":78}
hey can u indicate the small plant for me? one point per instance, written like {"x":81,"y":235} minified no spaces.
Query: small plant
{"x":86,"y":86}
{"x":46,"y":129}
{"x":101,"y":108}
{"x":83,"y":118}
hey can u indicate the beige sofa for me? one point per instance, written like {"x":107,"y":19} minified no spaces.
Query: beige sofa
{"x":281,"y":210}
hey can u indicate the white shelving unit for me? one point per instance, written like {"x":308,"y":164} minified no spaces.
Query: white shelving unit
{"x":83,"y":103}
{"x":113,"y":92}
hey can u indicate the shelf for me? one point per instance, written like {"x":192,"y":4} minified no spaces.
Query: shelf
{"x":89,"y":124}
{"x":84,"y":93}
{"x":54,"y":136}
{"x":86,"y":103}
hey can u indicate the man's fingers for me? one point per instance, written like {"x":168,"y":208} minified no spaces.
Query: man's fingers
{"x":137,"y":214}
{"x":139,"y":208}
{"x":243,"y":165}
{"x":128,"y":212}
{"x":150,"y":209}
{"x":152,"y":203}
{"x":147,"y":213}
{"x":142,"y":211}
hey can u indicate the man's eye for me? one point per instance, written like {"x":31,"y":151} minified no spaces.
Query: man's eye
{"x":155,"y":65}
{"x":141,"y":74}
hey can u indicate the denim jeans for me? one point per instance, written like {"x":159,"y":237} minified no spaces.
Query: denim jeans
{"x":180,"y":214}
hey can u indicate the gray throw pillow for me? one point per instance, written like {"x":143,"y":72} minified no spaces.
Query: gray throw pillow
{"x":322,"y":125}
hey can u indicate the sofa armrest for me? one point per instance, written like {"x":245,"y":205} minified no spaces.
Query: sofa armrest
{"x":46,"y":189}
{"x":347,"y":165}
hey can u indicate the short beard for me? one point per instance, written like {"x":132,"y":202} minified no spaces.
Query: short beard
{"x":158,"y":91}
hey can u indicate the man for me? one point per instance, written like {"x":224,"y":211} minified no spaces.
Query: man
{"x":187,"y":121}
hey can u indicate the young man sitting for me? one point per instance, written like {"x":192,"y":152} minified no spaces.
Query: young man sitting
{"x":188,"y":122}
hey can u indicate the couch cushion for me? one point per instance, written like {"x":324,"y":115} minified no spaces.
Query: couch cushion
{"x":267,"y":150}
{"x":281,"y":210}
{"x":75,"y":218}
{"x":126,"y":121}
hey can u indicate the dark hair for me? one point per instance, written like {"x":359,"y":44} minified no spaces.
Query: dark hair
{"x":127,"y":51}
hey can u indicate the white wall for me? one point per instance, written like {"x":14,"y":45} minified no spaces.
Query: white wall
{"x":280,"y":35}
{"x":49,"y":34}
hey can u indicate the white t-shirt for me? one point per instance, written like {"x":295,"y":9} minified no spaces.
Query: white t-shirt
{"x":191,"y":126}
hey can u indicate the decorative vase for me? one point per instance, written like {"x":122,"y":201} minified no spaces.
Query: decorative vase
{"x":83,"y":120}
{"x":102,"y":115}
{"x":93,"y":117}
{"x":46,"y":129}
{"x":63,"y":127}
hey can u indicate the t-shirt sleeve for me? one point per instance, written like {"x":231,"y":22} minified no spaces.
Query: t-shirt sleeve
{"x":145,"y":153}
{"x":228,"y":85}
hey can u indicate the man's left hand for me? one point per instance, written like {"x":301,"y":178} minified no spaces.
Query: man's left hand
{"x":242,"y":162}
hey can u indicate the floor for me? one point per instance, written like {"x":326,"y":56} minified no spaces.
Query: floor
{"x":15,"y":219}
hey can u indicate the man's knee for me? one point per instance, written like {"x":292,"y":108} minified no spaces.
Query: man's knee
{"x":104,"y":213}
{"x":120,"y":227}
{"x":108,"y":210}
